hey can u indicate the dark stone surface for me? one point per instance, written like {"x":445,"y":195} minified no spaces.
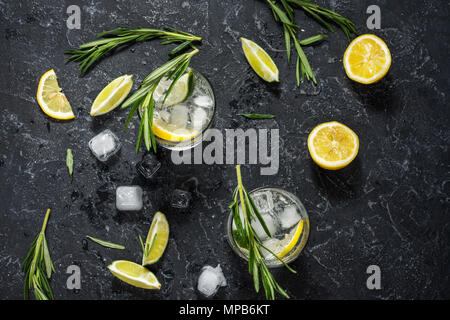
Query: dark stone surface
{"x":389,"y":208}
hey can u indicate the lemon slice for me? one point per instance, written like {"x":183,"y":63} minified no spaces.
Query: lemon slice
{"x":182,"y":89}
{"x":367,"y":59}
{"x":157,"y":238}
{"x":134,"y":274}
{"x":171,"y":133}
{"x":293,"y":241}
{"x":260,"y":61}
{"x":112,"y":95}
{"x":333,"y":145}
{"x":50,"y":98}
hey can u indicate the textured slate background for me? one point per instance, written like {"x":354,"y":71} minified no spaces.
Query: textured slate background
{"x":389,"y":208}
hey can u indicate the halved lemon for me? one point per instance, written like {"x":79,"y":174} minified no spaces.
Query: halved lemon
{"x":134,"y":274}
{"x":367,"y":59}
{"x":157,"y":238}
{"x":171,"y":133}
{"x":293,"y":241}
{"x":333,"y":145}
{"x":260,"y":61}
{"x":112,"y":95}
{"x":50,"y":98}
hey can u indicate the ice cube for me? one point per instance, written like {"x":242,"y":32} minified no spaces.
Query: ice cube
{"x":179,"y":116}
{"x":104,"y":145}
{"x":289,"y":217}
{"x":180,"y":199}
{"x":129,"y":198}
{"x":198,"y":118}
{"x":271,"y":223}
{"x":274,"y":245}
{"x":148,"y":166}
{"x":203,"y":101}
{"x":210,"y":280}
{"x":263,"y":201}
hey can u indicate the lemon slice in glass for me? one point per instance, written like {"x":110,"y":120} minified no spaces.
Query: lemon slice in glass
{"x":367,"y":59}
{"x":134,"y":274}
{"x":260,"y":61}
{"x":182,"y":89}
{"x":333,"y":145}
{"x":171,"y":133}
{"x":50,"y":98}
{"x":112,"y":95}
{"x":292,"y":241}
{"x":157,"y":238}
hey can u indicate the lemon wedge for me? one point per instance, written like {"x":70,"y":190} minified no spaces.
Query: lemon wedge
{"x":134,"y":274}
{"x":333,"y":145}
{"x":367,"y":59}
{"x":50,"y":98}
{"x":260,"y":61}
{"x":157,"y":238}
{"x":112,"y":95}
{"x":181,"y":90}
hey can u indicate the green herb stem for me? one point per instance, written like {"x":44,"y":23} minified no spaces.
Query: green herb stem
{"x":106,"y":244}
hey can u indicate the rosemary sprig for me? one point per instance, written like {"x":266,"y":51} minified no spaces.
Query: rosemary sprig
{"x":248,"y":239}
{"x":106,"y":244}
{"x":88,"y":53}
{"x":285,"y":15}
{"x":38,"y":267}
{"x":143,"y":98}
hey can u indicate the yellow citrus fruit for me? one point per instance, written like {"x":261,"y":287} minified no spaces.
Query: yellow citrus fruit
{"x":260,"y":61}
{"x":50,"y":98}
{"x":134,"y":274}
{"x":293,"y":241}
{"x":112,"y":95}
{"x":157,"y":239}
{"x":367,"y":59}
{"x":171,"y":133}
{"x":333,"y":145}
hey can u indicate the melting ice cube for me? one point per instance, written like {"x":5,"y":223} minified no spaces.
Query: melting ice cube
{"x":180,"y":199}
{"x":148,"y":166}
{"x":271,"y":223}
{"x":289,"y":217}
{"x":129,"y":198}
{"x":210,"y":280}
{"x":104,"y":145}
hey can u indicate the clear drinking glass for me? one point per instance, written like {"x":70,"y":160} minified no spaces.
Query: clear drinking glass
{"x":182,"y":126}
{"x":286,"y":219}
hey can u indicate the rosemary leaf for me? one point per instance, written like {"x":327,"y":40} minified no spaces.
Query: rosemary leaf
{"x":69,"y":162}
{"x":256,"y":116}
{"x":106,"y":243}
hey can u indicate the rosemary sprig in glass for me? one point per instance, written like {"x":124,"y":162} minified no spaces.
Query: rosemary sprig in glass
{"x":285,"y":15}
{"x":247,"y":238}
{"x":38,"y":267}
{"x":142,"y":99}
{"x":88,"y":53}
